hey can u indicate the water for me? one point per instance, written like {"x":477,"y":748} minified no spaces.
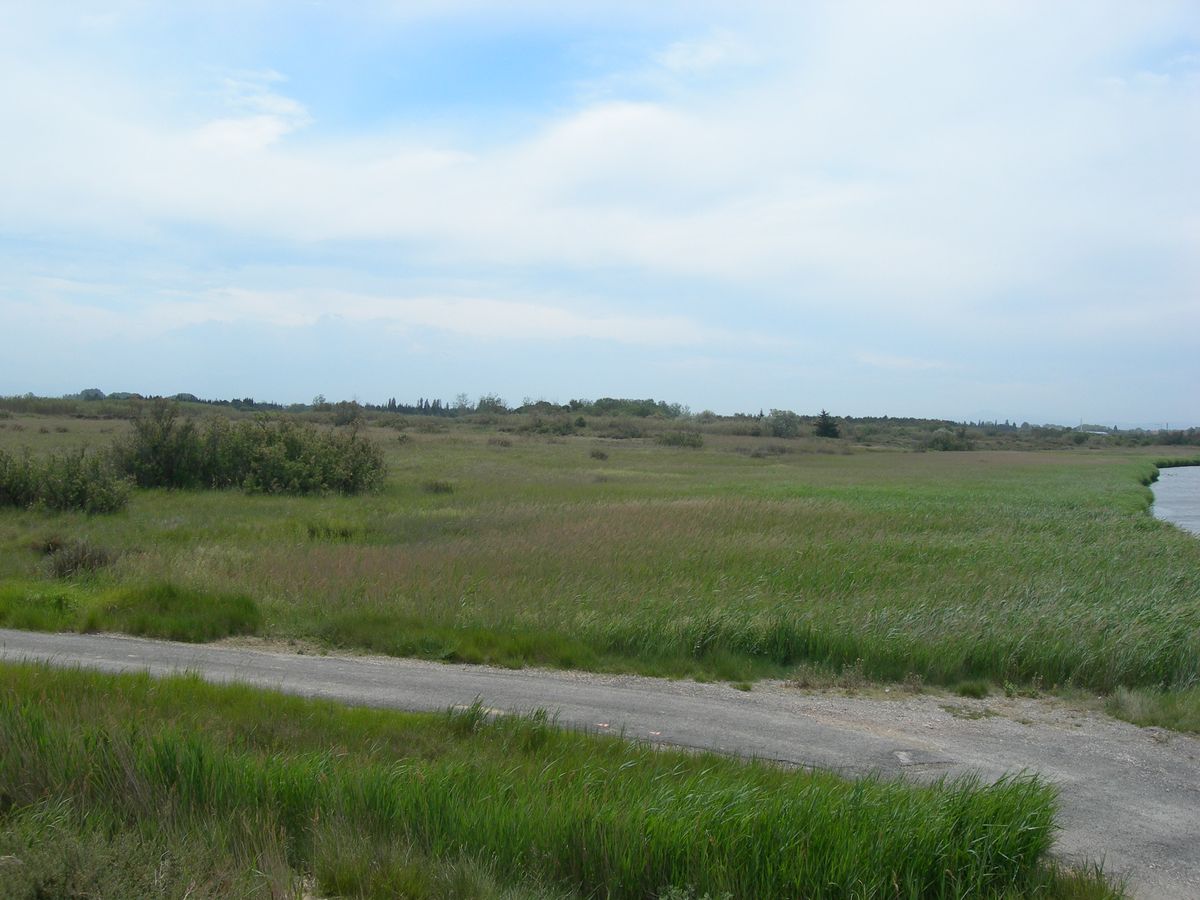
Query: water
{"x":1177,"y":497}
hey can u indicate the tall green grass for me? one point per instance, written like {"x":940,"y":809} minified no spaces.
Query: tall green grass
{"x":160,"y":610}
{"x":353,"y":797}
{"x":721,"y":561}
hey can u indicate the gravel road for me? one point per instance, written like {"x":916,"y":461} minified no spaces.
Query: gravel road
{"x":1130,"y":796}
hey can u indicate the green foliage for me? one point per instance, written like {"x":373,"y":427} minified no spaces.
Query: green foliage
{"x":263,"y":455}
{"x":373,"y":802}
{"x":782,"y":423}
{"x":346,"y":413}
{"x":945,"y":439}
{"x":826,"y":426}
{"x":72,"y":480}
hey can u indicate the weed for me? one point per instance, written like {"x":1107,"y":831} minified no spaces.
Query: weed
{"x":977,"y":689}
{"x":597,"y":453}
{"x":438,"y":486}
{"x":332,"y":531}
{"x":78,"y":558}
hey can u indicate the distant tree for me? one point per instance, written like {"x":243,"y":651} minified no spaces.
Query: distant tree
{"x":826,"y":426}
{"x":783,"y":423}
{"x":346,"y":412}
{"x":91,"y":394}
{"x":491,"y":403}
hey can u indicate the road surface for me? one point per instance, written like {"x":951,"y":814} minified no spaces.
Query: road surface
{"x":1130,"y":796}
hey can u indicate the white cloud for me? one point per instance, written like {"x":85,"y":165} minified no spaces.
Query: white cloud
{"x":1027,"y":168}
{"x":88,"y":312}
{"x":720,"y":48}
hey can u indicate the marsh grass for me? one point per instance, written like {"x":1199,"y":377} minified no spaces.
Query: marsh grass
{"x":77,"y":558}
{"x":371,"y":803}
{"x":160,"y":610}
{"x":996,"y":566}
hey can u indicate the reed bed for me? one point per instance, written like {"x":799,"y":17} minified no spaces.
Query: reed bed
{"x":1006,"y":566}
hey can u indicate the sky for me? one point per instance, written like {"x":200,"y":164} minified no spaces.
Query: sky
{"x":972,"y":211}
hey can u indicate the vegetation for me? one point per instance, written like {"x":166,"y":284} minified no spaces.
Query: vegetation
{"x":748,"y":557}
{"x":945,"y":439}
{"x":693,"y":439}
{"x":826,"y":427}
{"x":261,"y":456}
{"x":158,"y":610}
{"x":126,"y":786}
{"x":70,"y":480}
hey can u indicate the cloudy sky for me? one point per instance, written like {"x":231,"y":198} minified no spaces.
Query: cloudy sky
{"x":964,"y":210}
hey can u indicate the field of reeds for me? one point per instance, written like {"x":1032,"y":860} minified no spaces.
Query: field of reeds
{"x":129,"y":786}
{"x":740,"y":558}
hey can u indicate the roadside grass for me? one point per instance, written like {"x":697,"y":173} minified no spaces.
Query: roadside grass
{"x":159,"y":610}
{"x":1007,"y":567}
{"x":129,"y":785}
{"x":1178,"y":710}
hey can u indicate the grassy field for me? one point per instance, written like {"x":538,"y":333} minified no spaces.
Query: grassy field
{"x":748,"y":557}
{"x":128,"y":786}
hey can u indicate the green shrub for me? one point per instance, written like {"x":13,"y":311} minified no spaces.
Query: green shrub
{"x":782,"y":423}
{"x":75,"y":480}
{"x":945,"y":439}
{"x":264,"y":455}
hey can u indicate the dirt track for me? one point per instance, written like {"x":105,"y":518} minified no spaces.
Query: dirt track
{"x":1129,"y":795}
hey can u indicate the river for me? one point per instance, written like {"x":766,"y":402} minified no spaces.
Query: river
{"x":1177,"y":497}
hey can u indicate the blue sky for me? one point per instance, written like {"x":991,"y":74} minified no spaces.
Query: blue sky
{"x":985,"y":210}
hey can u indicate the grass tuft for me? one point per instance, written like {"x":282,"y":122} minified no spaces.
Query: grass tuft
{"x":175,"y":613}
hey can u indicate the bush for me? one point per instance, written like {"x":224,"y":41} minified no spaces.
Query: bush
{"x":945,"y":439}
{"x":75,"y":480}
{"x":693,"y":439}
{"x":782,"y":423}
{"x":260,"y":456}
